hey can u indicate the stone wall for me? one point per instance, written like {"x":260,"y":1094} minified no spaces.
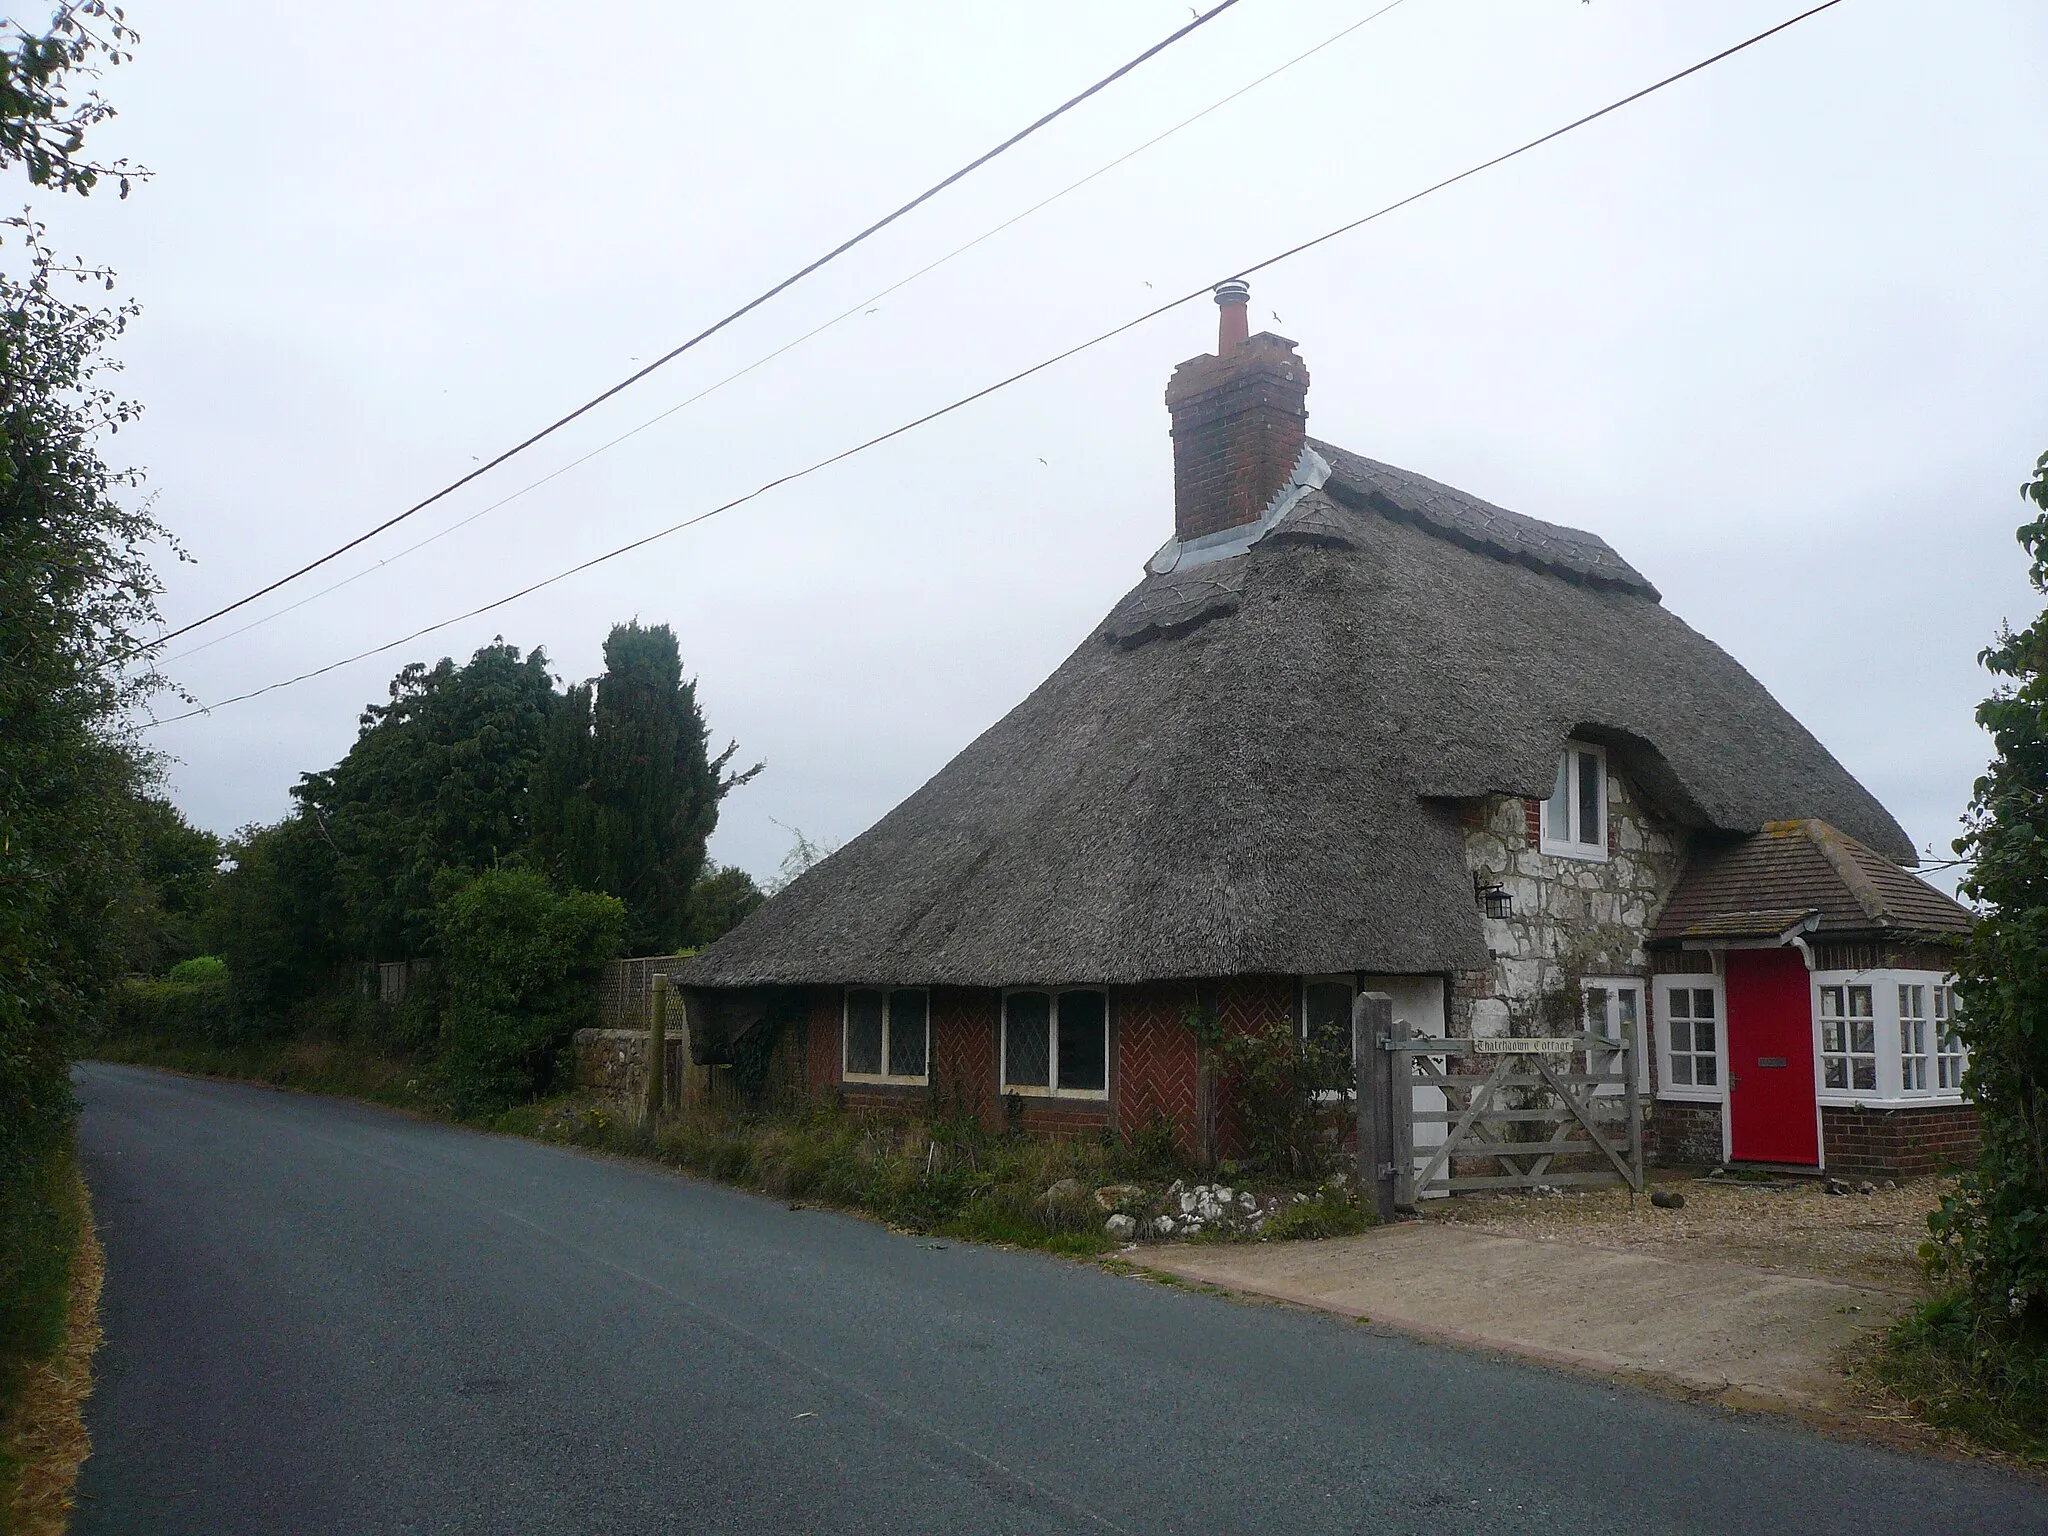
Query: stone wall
{"x":613,"y":1064}
{"x":1680,"y":1135}
{"x":1898,"y":1143}
{"x":1572,"y":917}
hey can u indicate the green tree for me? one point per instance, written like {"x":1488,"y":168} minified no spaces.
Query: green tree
{"x":1994,"y":1236}
{"x":76,"y":596}
{"x":520,"y":963}
{"x":722,"y":897}
{"x":177,"y":867}
{"x":628,"y":791}
{"x":438,"y":779}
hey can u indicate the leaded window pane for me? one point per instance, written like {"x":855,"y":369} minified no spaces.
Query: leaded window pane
{"x":1591,"y":825}
{"x":863,"y":1034}
{"x":1027,"y":1040}
{"x":1560,"y":810}
{"x":908,"y":1033}
{"x":1326,"y":1013}
{"x":1084,"y":1041}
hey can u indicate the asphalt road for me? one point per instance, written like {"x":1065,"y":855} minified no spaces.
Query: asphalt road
{"x":322,"y":1317}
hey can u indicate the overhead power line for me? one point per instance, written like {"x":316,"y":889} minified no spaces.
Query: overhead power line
{"x":788,"y":346}
{"x":1015,"y":378}
{"x":1201,"y":19}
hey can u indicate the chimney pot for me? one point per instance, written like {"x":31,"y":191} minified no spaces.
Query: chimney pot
{"x":1232,"y":326}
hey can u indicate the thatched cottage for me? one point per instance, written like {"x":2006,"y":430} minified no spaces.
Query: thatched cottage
{"x":1356,"y":729}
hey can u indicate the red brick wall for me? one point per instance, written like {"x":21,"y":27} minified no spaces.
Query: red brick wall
{"x":1156,"y":1060}
{"x":966,"y":1029}
{"x":821,"y":1041}
{"x":1898,"y":1143}
{"x":1532,"y":816}
{"x":1239,"y":423}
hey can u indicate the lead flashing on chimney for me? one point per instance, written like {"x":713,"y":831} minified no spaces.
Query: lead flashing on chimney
{"x":1310,"y":471}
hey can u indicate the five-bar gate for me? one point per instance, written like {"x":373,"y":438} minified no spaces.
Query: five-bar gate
{"x":1526,"y":1113}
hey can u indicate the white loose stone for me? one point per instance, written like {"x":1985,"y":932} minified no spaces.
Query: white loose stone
{"x":1120,"y":1226}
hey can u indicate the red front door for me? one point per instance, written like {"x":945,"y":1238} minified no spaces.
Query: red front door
{"x":1771,"y":1115}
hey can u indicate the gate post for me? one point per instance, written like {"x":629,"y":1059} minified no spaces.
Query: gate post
{"x":1372,"y":1024}
{"x":1401,"y":1089}
{"x":657,"y":1051}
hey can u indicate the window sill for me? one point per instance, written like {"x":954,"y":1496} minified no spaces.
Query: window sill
{"x":1578,"y":853}
{"x":1080,"y":1095}
{"x":1689,"y":1095}
{"x":864,"y":1080}
{"x":1839,"y":1100}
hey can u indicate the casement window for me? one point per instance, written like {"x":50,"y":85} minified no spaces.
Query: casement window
{"x":1575,"y":816}
{"x":1848,"y":1038}
{"x":887,"y":1035}
{"x":1326,"y":1010}
{"x":1614,"y":1008}
{"x":1690,"y":1038}
{"x":1950,"y":1058}
{"x":1056,"y":1042}
{"x":1914,"y":1037}
{"x":1887,"y":1037}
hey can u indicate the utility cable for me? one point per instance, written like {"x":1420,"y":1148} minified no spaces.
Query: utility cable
{"x":816,"y":330}
{"x":1015,"y":378}
{"x":1201,"y":19}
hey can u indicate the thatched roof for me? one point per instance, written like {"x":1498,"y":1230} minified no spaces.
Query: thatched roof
{"x":1251,"y":766}
{"x":1740,"y":891}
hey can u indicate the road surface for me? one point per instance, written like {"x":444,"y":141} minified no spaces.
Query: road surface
{"x":323,"y":1317}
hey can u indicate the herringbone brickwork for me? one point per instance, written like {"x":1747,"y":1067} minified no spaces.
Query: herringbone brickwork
{"x":1156,"y":1060}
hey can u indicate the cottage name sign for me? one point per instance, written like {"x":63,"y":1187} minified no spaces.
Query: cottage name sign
{"x":1528,"y":1045}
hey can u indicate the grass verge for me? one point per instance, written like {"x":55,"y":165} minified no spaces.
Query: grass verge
{"x":944,"y":1175}
{"x":42,"y":1400}
{"x":339,"y":1068}
{"x":1982,"y":1378}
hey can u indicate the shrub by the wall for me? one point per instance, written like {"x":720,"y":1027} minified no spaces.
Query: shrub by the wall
{"x":519,"y":961}
{"x":190,"y":1010}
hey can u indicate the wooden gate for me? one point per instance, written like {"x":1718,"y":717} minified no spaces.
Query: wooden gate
{"x":1513,"y":1084}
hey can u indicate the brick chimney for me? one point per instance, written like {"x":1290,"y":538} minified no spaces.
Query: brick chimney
{"x":1240,"y":419}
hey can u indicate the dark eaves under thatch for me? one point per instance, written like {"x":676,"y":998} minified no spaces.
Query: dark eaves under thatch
{"x":1252,"y":766}
{"x":1851,"y":889}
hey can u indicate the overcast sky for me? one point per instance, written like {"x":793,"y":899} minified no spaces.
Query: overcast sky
{"x":1777,"y":334}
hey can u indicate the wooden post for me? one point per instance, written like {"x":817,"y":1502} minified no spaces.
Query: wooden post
{"x":1372,"y":1022}
{"x":1401,"y":1085}
{"x":1630,"y":1066}
{"x":657,"y":1052}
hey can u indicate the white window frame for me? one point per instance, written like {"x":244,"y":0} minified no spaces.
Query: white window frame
{"x":1570,"y":767}
{"x":1916,"y":1038}
{"x":1891,"y":1090}
{"x":1610,"y":1025}
{"x":884,"y":1076}
{"x":1951,"y":1059}
{"x":1715,"y":1092}
{"x":1051,"y":1088}
{"x":1849,"y":993}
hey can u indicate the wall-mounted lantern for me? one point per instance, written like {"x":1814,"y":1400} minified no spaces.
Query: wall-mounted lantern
{"x":1494,"y":899}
